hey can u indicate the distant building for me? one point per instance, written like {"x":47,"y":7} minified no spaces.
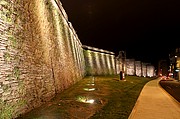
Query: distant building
{"x":163,"y":68}
{"x":174,"y":58}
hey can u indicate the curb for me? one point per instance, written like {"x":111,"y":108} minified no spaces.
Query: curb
{"x":174,"y":100}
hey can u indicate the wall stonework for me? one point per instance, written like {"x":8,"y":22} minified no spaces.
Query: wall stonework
{"x":150,"y":70}
{"x":99,"y":62}
{"x":11,"y":83}
{"x":130,"y":66}
{"x":144,"y":69}
{"x":40,"y":54}
{"x":138,"y":68}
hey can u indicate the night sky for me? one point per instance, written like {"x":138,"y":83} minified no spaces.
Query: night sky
{"x":148,"y":30}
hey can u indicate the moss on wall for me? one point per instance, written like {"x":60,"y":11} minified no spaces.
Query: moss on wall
{"x":11,"y":40}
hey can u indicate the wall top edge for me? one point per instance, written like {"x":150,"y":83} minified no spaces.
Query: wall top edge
{"x":137,"y":61}
{"x":97,"y":49}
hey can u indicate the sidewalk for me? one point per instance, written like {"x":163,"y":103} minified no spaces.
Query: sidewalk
{"x":155,"y":103}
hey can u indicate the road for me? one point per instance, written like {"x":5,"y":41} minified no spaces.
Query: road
{"x":172,"y":87}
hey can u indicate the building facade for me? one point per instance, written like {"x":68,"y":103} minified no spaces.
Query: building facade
{"x":174,"y":67}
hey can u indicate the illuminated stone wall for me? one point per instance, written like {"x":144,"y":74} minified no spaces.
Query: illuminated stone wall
{"x":118,"y":66}
{"x":98,"y":61}
{"x":121,"y":62}
{"x":130,"y":66}
{"x":40,"y":54}
{"x":138,"y":68}
{"x":150,"y":71}
{"x":144,"y":69}
{"x":133,"y":67}
{"x":11,"y":83}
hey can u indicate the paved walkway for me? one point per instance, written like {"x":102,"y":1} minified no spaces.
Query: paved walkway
{"x":155,"y":103}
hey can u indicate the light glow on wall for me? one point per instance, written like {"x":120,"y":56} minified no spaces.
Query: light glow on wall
{"x":102,"y":63}
{"x":113,"y":63}
{"x":150,"y":71}
{"x":108,"y":63}
{"x":90,"y":61}
{"x":97,"y":61}
{"x":78,"y":55}
{"x":59,"y":29}
{"x":144,"y":69}
{"x":44,"y":35}
{"x":55,"y":4}
{"x":130,"y":65}
{"x":74,"y":53}
{"x":138,"y":68}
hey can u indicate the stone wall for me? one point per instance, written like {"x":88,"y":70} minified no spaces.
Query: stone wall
{"x":99,"y":62}
{"x":144,"y":69}
{"x":11,"y":83}
{"x":150,"y":71}
{"x":138,"y":68}
{"x":40,"y":54}
{"x":130,"y":66}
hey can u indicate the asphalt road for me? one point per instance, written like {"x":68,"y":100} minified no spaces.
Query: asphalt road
{"x":172,"y":87}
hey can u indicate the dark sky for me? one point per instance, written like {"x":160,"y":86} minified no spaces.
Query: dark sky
{"x":146,"y":29}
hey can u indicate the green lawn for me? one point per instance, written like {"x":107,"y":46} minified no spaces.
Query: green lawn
{"x":122,"y":98}
{"x":110,"y":98}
